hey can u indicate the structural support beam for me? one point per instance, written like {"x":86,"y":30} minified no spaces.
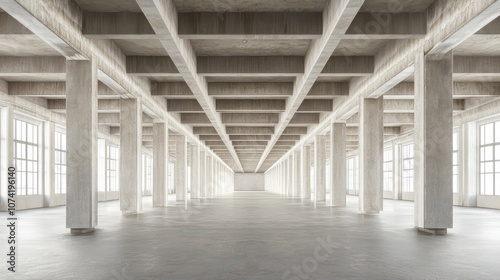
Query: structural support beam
{"x":320,"y":168}
{"x":297,"y":174}
{"x":371,"y":149}
{"x":17,"y":11}
{"x":338,"y":164}
{"x":131,"y":156}
{"x":337,"y":16}
{"x":81,"y":131}
{"x":306,"y":172}
{"x":160,"y":164}
{"x":162,"y":15}
{"x":181,"y":170}
{"x":195,"y":172}
{"x":433,"y":142}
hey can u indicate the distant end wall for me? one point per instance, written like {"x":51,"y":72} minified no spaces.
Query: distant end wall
{"x":249,"y":182}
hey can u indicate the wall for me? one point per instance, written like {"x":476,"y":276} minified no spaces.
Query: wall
{"x":248,"y":181}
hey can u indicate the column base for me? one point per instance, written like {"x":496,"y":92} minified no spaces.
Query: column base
{"x":433,"y":231}
{"x":129,"y":212}
{"x":373,"y":212}
{"x":79,"y":231}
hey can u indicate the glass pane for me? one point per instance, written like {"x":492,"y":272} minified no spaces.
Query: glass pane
{"x":488,"y":184}
{"x":488,"y":153}
{"x":488,"y":134}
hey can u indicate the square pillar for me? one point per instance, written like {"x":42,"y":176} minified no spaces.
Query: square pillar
{"x":160,"y":164}
{"x":297,"y":174}
{"x":337,"y":164}
{"x":434,"y":142}
{"x":203,"y":180}
{"x":209,"y":176}
{"x":306,"y":172}
{"x":320,"y":168}
{"x":181,"y":167}
{"x":195,"y":171}
{"x":81,"y":145}
{"x":291,"y":176}
{"x":371,"y":152}
{"x":130,"y":156}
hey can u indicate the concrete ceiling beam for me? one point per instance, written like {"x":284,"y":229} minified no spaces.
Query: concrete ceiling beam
{"x":388,"y":26}
{"x":250,"y":105}
{"x":184,"y":106}
{"x":250,"y":65}
{"x":52,"y":90}
{"x":250,"y":25}
{"x":461,"y":90}
{"x":323,"y":90}
{"x":194,"y":118}
{"x":162,"y":15}
{"x":249,"y":143}
{"x":246,"y":90}
{"x":172,"y":90}
{"x":314,"y":106}
{"x":238,"y":130}
{"x":117,"y":25}
{"x":337,"y":17}
{"x":295,"y":131}
{"x":305,"y":118}
{"x":250,"y":119}
{"x":348,"y":66}
{"x":250,"y":137}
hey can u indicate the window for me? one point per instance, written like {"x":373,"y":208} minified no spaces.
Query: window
{"x":388,"y":174}
{"x":407,"y":168}
{"x":60,"y":163}
{"x":148,"y":173}
{"x":112,"y":168}
{"x":26,"y":157}
{"x":352,"y":175}
{"x":455,"y":162}
{"x":489,"y":159}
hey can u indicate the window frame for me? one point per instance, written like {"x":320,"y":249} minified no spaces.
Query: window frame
{"x":403,"y":177}
{"x":493,"y":121}
{"x":389,"y":149}
{"x":115,"y":187}
{"x":39,"y":153}
{"x":58,"y":176}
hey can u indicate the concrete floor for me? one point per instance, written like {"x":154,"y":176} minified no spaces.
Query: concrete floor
{"x":257,"y":235}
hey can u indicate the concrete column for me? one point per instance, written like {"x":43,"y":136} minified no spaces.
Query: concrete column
{"x":306,"y":172}
{"x":320,"y":168}
{"x":371,"y":151}
{"x":203,"y":181}
{"x":291,"y":176}
{"x":181,"y":167}
{"x":337,"y":164}
{"x":297,"y":174}
{"x":81,"y":145}
{"x":434,"y":142}
{"x":286,"y":179}
{"x":6,"y":150}
{"x":48,"y":165}
{"x":209,"y":176}
{"x":130,"y":156}
{"x":195,"y":171}
{"x":160,"y":164}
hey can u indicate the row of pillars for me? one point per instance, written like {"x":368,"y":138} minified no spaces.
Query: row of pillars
{"x":433,"y":135}
{"x":209,"y":177}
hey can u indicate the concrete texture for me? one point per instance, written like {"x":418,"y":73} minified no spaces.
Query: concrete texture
{"x":130,"y":156}
{"x":320,"y":168}
{"x":81,"y":145}
{"x":433,"y":141}
{"x":160,"y":164}
{"x":338,"y":164}
{"x":235,"y":237}
{"x":370,"y":155}
{"x":248,"y":182}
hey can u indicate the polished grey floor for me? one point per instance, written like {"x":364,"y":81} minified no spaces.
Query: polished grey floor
{"x":257,"y":235}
